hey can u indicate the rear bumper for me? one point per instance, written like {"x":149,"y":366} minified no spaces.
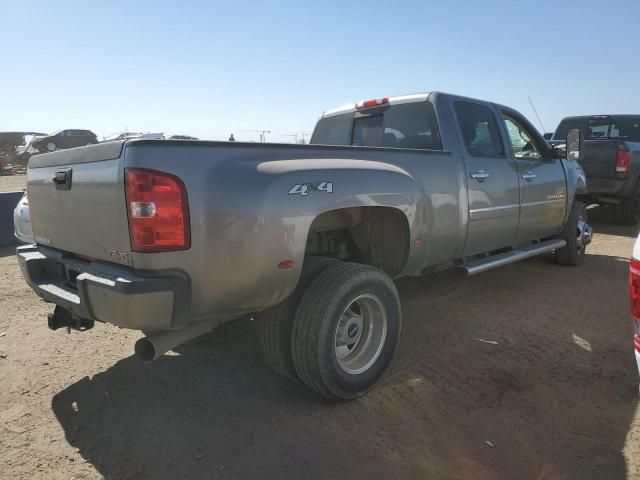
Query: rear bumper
{"x":613,"y":187}
{"x":104,"y":292}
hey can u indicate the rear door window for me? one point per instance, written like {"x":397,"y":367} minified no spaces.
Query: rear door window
{"x":479,"y":130}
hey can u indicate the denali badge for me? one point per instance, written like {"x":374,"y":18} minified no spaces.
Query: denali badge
{"x":304,"y":188}
{"x":43,"y":240}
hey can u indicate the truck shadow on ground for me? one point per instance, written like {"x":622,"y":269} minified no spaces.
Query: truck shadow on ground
{"x":523,"y":372}
{"x":8,"y":251}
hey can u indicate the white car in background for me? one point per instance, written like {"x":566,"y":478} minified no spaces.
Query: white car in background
{"x":22,"y":221}
{"x":182,"y":137}
{"x":132,"y":135}
{"x":122,"y":136}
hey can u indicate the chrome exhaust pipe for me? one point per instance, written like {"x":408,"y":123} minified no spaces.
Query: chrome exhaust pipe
{"x":151,"y":347}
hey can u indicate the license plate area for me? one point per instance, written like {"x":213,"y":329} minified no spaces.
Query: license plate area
{"x":71,"y":275}
{"x":71,"y":270}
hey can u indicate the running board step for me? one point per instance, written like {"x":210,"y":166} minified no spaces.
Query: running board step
{"x":495,"y":261}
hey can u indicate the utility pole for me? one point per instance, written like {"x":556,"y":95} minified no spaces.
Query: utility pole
{"x":263,"y":134}
{"x":304,"y":134}
{"x":292,"y":135}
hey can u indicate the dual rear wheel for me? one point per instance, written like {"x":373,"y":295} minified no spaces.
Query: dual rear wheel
{"x":337,"y":332}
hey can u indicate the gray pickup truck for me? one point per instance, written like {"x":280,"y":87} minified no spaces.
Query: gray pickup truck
{"x":611,"y":161}
{"x":175,"y":238}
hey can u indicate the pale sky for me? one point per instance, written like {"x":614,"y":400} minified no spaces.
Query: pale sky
{"x":209,"y":68}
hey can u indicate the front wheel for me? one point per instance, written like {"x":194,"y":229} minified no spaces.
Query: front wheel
{"x":577,"y":233}
{"x":346,"y":330}
{"x":51,"y":146}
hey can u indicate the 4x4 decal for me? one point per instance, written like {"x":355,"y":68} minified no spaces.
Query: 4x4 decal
{"x":305,"y":188}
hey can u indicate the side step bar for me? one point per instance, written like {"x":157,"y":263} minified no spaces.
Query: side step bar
{"x":495,"y":261}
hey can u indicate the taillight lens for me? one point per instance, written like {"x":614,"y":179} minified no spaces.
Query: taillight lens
{"x":623,"y":160}
{"x":634,"y":297}
{"x":158,"y":211}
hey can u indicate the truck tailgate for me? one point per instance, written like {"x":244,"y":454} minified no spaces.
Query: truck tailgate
{"x":77,"y":201}
{"x":599,"y":158}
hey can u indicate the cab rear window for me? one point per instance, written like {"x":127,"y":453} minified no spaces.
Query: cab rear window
{"x":602,"y":128}
{"x":407,"y":125}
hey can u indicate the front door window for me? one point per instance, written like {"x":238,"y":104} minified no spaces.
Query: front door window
{"x":522,"y":143}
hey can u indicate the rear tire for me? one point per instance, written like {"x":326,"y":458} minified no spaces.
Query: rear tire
{"x":346,"y":330}
{"x":628,"y":210}
{"x":574,"y":251}
{"x":276,"y":323}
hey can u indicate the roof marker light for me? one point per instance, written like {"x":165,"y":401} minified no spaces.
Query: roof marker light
{"x":375,"y":102}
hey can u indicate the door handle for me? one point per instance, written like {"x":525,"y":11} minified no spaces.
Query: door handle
{"x":528,"y":176}
{"x":479,"y":175}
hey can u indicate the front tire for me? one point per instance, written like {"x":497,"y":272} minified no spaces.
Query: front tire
{"x":346,"y":330}
{"x":577,"y":233}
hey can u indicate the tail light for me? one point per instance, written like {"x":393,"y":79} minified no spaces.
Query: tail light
{"x":623,"y":160}
{"x":634,"y":296}
{"x":158,"y":211}
{"x":376,"y":102}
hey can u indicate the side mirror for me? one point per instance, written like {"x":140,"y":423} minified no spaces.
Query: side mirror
{"x":574,"y":145}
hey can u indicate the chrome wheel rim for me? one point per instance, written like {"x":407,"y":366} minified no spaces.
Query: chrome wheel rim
{"x":360,"y":334}
{"x":51,"y":146}
{"x":584,"y":233}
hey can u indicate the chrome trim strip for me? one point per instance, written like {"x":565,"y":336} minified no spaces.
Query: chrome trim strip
{"x":494,"y":212}
{"x":507,"y":210}
{"x":544,"y":202}
{"x":491,"y":209}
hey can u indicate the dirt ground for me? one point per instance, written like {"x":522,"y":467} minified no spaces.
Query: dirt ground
{"x":525,"y":372}
{"x":12,"y":183}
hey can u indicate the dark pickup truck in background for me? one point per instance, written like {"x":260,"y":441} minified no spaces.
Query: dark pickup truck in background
{"x":611,"y":160}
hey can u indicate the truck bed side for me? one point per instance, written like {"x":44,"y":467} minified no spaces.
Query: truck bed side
{"x":244,"y":220}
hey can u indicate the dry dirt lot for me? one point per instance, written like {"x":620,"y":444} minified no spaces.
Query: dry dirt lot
{"x":554,"y":395}
{"x":12,"y":183}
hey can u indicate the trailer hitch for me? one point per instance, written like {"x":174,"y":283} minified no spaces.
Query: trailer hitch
{"x":62,"y":318}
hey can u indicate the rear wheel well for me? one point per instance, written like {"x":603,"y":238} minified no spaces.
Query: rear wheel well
{"x":377,"y":236}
